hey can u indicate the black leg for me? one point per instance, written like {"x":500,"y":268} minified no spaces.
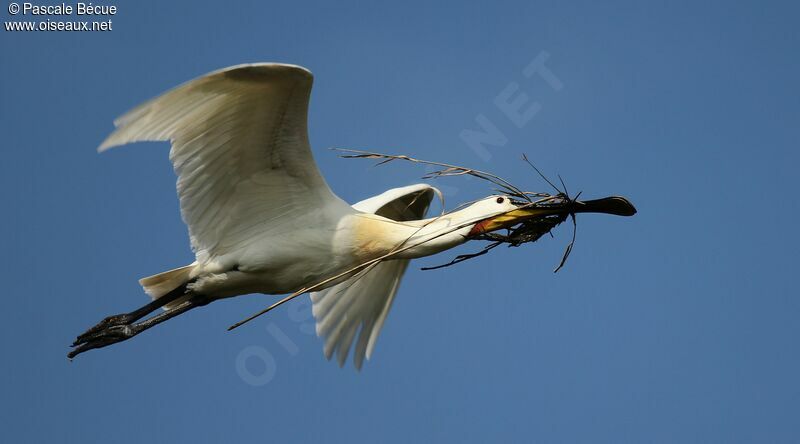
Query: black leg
{"x":118,"y":333}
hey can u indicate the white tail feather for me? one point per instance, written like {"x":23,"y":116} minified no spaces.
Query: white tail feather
{"x":162,"y":283}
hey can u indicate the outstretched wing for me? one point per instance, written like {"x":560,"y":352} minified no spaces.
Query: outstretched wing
{"x":362,"y":302}
{"x":240,"y":149}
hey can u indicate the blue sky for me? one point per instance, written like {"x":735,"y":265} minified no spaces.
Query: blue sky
{"x":677,"y":325}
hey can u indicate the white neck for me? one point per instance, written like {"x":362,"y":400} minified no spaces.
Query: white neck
{"x":417,"y":238}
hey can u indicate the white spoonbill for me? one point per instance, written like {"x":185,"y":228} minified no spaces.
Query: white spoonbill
{"x":262,"y":219}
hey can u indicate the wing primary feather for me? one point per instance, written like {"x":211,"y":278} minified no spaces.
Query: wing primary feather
{"x":238,"y":139}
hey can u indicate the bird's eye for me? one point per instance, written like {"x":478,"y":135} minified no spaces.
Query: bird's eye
{"x":500,"y":200}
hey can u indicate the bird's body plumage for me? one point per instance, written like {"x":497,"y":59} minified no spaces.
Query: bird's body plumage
{"x":261,"y":217}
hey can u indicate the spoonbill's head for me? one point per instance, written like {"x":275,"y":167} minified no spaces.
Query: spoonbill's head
{"x":490,"y":207}
{"x":506,"y":212}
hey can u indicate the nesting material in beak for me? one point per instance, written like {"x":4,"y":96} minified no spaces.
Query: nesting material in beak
{"x":616,"y":205}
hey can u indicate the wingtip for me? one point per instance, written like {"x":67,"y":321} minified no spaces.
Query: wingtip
{"x":358,"y":359}
{"x":111,"y":140}
{"x":105,"y":146}
{"x":109,"y":143}
{"x":258,"y":71}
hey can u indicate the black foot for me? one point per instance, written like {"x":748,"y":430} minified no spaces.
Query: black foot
{"x":98,"y":339}
{"x":121,"y":327}
{"x":105,"y":324}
